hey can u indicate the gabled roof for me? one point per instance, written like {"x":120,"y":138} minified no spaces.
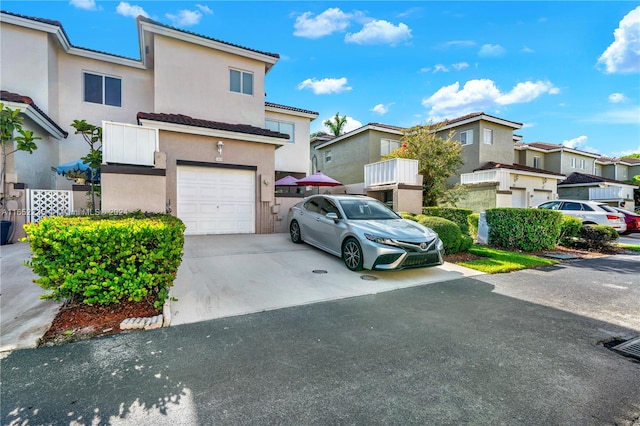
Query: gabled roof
{"x":629,"y":161}
{"x":551,"y":147}
{"x":576,"y":178}
{"x":207,"y":124}
{"x":518,"y":167}
{"x":271,"y":105}
{"x":370,"y":126}
{"x":32,"y":111}
{"x":475,"y":116}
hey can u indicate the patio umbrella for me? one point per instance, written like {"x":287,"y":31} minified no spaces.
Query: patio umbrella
{"x":288,"y":180}
{"x":76,"y":166}
{"x":318,"y":179}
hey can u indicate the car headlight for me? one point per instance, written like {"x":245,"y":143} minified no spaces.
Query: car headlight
{"x":380,"y":240}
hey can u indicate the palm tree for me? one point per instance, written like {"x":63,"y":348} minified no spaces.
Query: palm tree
{"x":336,"y":124}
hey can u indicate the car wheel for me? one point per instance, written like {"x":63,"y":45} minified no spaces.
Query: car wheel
{"x":352,"y":254}
{"x":294,"y":231}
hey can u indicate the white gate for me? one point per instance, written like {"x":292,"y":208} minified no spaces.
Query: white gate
{"x":43,"y":203}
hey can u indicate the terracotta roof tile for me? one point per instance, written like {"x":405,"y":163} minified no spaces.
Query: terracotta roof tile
{"x":577,"y":178}
{"x":207,"y":124}
{"x":492,"y":165}
{"x":289,"y":108}
{"x":15,"y":97}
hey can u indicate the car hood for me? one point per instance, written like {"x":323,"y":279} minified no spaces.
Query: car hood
{"x":398,"y":229}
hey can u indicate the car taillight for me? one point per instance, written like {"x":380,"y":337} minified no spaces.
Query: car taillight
{"x":612,"y":217}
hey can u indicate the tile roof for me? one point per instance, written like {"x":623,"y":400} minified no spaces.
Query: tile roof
{"x":207,"y":124}
{"x":14,"y":97}
{"x":581,"y":178}
{"x":151,"y":21}
{"x":289,"y":108}
{"x":492,"y":165}
{"x":470,"y":116}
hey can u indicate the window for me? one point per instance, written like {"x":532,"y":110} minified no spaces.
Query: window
{"x":387,"y":146}
{"x":102,"y":89}
{"x":466,"y":137}
{"x":241,"y":82}
{"x":536,"y":162}
{"x":282,"y":127}
{"x":582,"y":164}
{"x":573,"y":163}
{"x":596,"y":171}
{"x":488,"y":136}
{"x":327,"y":156}
{"x":624,"y":173}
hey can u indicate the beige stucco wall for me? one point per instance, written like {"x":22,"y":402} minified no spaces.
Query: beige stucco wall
{"x":130,"y":192}
{"x":479,"y":198}
{"x":283,"y":205}
{"x":194,"y":80}
{"x":292,"y":157}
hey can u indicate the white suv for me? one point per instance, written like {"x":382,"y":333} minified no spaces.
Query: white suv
{"x":589,"y":212}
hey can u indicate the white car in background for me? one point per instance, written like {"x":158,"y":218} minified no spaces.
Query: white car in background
{"x":589,"y":212}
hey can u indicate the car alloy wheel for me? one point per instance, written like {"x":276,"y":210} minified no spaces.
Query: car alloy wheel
{"x":352,"y":254}
{"x":294,"y":231}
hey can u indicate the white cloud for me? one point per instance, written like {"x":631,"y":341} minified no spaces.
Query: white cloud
{"x":185,"y":18}
{"x":628,"y":115}
{"x":126,"y":9}
{"x":84,"y":4}
{"x":328,"y":22}
{"x":460,"y":65}
{"x":349,"y":125}
{"x":623,"y":55}
{"x":526,"y":49}
{"x":458,"y":43}
{"x":491,"y":50}
{"x":478,"y":95}
{"x":575,"y":143}
{"x":381,"y":109}
{"x":440,"y":67}
{"x":425,"y":69}
{"x":616,"y":98}
{"x":380,"y":32}
{"x":204,"y":9}
{"x":325,"y":86}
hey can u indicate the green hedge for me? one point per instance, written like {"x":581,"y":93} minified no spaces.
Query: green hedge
{"x":569,"y":230}
{"x":524,"y":229}
{"x":107,"y":259}
{"x":473,"y":219}
{"x":459,"y":216}
{"x":448,"y":231}
{"x":596,"y":237}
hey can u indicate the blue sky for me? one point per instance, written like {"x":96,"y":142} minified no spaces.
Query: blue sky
{"x":569,"y":71}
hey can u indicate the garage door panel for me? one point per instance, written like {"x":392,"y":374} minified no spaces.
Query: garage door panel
{"x":216,"y":200}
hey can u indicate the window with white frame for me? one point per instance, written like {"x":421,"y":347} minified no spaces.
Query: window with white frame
{"x":241,"y":82}
{"x":327,"y":156}
{"x":573,"y":163}
{"x":387,"y":146}
{"x":466,"y":137}
{"x":487,"y":136}
{"x":596,"y":171}
{"x":102,"y":89}
{"x":282,"y":127}
{"x":624,"y":173}
{"x":537,"y":162}
{"x":581,"y":164}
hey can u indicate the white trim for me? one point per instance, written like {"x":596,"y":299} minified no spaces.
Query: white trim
{"x":359,"y":130}
{"x":606,"y":183}
{"x":484,"y":117}
{"x":525,"y":173}
{"x":34,"y":115}
{"x":290,"y":112}
{"x":225,"y":134}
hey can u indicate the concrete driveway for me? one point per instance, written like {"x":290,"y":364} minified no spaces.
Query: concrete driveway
{"x":227,"y":275}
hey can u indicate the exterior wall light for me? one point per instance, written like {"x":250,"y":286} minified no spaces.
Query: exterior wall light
{"x":220,"y":146}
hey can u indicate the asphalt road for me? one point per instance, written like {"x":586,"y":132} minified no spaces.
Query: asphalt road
{"x":514,"y":349}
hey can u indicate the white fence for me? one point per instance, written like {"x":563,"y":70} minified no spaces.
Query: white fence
{"x":608,"y":193}
{"x":389,"y":172}
{"x":128,"y":144}
{"x":499,"y":176}
{"x":43,"y":203}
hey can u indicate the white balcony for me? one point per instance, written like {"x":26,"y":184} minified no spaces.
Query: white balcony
{"x":128,"y":144}
{"x":607,"y":193}
{"x":498,"y":176}
{"x":391,"y":172}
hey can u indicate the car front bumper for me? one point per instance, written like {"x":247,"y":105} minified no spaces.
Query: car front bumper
{"x":383,"y":257}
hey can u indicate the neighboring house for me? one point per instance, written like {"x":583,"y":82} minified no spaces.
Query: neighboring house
{"x":554,"y":157}
{"x":215,"y":145}
{"x":617,"y":168}
{"x":581,"y":186}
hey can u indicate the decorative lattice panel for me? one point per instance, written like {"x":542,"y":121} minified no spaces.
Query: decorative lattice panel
{"x":45,"y":202}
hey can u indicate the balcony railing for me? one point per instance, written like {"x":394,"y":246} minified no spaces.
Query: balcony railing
{"x":499,"y":176}
{"x":607,"y":193}
{"x":390,"y":172}
{"x":128,"y":144}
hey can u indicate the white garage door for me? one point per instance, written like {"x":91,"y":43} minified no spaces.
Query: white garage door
{"x":216,"y":200}
{"x":518,"y":198}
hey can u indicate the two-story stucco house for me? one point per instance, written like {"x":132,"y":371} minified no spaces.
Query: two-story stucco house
{"x":215,"y":144}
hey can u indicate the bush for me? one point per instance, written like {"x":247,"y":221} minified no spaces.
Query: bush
{"x":524,"y":229}
{"x":466,"y":242}
{"x":597,"y":237}
{"x":569,"y":230}
{"x":447,"y":230}
{"x":407,"y":215}
{"x":473,"y":219}
{"x":107,"y":259}
{"x":458,"y":216}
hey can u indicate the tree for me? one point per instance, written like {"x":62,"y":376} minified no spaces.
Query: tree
{"x":93,"y":136}
{"x":438,"y":160}
{"x":336,"y":124}
{"x":12,"y":132}
{"x":636,"y":155}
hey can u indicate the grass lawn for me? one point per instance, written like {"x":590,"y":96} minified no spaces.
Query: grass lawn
{"x":496,"y":261}
{"x":631,"y":247}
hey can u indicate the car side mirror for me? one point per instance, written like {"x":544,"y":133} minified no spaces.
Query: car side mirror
{"x":332,"y":216}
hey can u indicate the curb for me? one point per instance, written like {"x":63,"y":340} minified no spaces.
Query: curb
{"x":149,"y":323}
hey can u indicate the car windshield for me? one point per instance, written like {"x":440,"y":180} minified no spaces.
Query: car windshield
{"x":366,"y":210}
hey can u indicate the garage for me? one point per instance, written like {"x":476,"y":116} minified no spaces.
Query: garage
{"x":216,"y":200}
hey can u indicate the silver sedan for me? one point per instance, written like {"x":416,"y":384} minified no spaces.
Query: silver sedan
{"x":364,"y":232}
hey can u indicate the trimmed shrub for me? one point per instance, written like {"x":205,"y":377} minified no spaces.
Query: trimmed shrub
{"x":524,"y":229}
{"x":106,"y":259}
{"x":473,"y":219}
{"x":407,"y":215}
{"x":459,"y":216}
{"x":466,"y":242}
{"x":597,"y":237}
{"x":569,"y":230}
{"x":448,"y":231}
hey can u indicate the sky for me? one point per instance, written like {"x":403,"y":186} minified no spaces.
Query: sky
{"x":569,"y":72}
